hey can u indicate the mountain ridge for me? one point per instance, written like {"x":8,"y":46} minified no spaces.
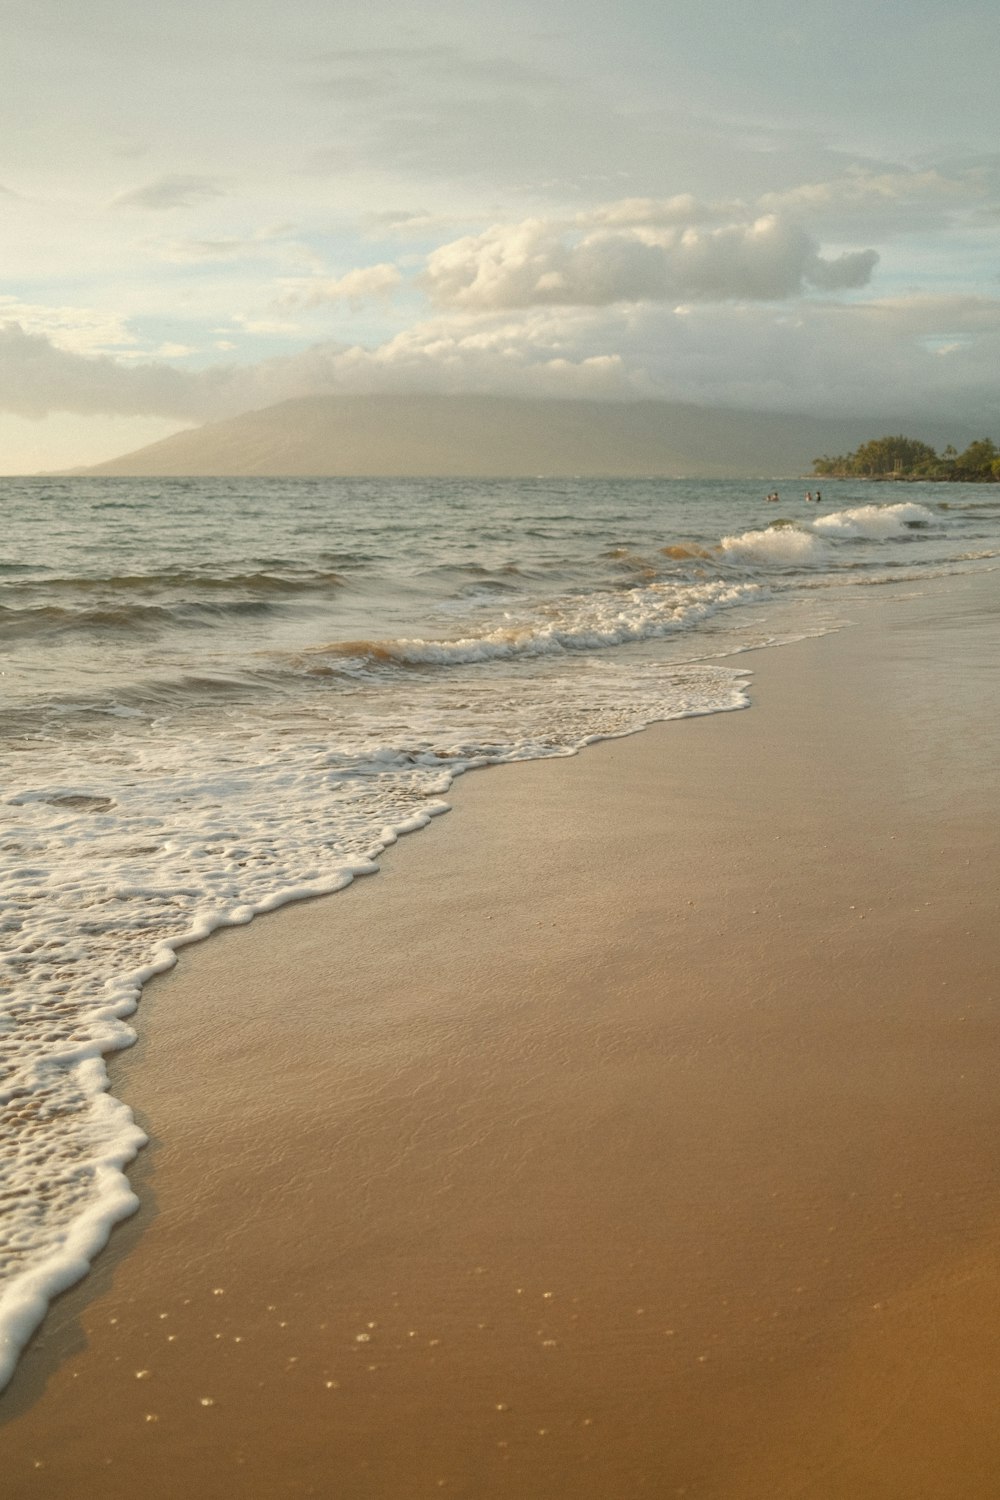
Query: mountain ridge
{"x":469,"y":436}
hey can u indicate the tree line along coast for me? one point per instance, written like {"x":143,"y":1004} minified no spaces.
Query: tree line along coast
{"x":907,"y":458}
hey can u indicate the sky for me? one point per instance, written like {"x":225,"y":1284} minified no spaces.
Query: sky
{"x":210,"y":208}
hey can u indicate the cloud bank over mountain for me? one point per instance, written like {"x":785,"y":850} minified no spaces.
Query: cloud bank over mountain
{"x":929,"y":356}
{"x":696,"y":204}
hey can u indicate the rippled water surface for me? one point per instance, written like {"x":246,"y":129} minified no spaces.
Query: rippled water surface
{"x":219,"y":695}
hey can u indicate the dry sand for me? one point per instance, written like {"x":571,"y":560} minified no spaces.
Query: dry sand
{"x":635,"y":1132}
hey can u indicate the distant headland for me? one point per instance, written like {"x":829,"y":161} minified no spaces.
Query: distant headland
{"x":421,"y":433}
{"x":907,"y":458}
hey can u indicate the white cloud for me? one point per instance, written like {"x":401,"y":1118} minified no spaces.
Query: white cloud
{"x":866,"y":186}
{"x":84,"y":330}
{"x":276,"y":244}
{"x":174,"y":190}
{"x":37,"y":377}
{"x":354,"y":287}
{"x":890,"y":200}
{"x":536,"y":263}
{"x":402,"y":222}
{"x":821,"y":356}
{"x":682,"y":209}
{"x":198,"y":252}
{"x":848,"y":271}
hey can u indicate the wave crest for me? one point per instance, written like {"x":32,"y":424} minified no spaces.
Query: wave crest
{"x":874,"y":523}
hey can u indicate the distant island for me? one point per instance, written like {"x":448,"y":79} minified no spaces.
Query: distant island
{"x":906,"y":458}
{"x":469,"y":435}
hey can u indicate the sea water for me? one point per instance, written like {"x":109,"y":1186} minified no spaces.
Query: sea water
{"x":218,"y":696}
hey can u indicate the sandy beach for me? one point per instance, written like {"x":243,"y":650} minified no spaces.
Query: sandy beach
{"x":633,"y":1132}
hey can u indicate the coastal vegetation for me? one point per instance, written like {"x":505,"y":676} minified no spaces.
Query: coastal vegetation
{"x":907,"y":458}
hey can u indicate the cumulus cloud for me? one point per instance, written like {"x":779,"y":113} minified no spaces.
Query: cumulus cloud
{"x":537,"y":263}
{"x":36,"y":378}
{"x":935,"y":356}
{"x":84,"y":330}
{"x":823,"y":356}
{"x":832,"y":357}
{"x":175,"y":190}
{"x":356,"y":286}
{"x":537,"y":355}
{"x":852,"y":269}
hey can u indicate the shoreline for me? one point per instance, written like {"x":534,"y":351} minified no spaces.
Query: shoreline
{"x":650,"y":1119}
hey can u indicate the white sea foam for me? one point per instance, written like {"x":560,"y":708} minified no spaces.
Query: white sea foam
{"x":111,"y":1140}
{"x":569,"y":624}
{"x":778,"y":544}
{"x":156,"y":843}
{"x":803,"y":542}
{"x":875,"y":523}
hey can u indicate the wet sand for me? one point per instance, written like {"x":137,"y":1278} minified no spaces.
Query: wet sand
{"x":635,"y":1132}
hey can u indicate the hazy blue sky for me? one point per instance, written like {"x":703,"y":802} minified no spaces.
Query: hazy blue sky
{"x":210,"y":207}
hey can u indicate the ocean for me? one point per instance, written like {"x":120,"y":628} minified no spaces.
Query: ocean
{"x":218,"y":696}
